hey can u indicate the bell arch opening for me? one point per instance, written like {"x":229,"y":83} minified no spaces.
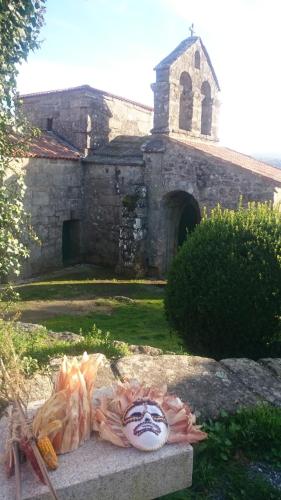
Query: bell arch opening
{"x":206,"y":110}
{"x":182,"y":214}
{"x":186,"y":102}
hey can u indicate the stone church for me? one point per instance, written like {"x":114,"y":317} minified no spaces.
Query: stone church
{"x":116,"y":183}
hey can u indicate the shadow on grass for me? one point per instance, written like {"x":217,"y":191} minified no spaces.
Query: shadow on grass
{"x":89,"y":289}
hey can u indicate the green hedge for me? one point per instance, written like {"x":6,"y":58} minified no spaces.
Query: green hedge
{"x":224,"y":287}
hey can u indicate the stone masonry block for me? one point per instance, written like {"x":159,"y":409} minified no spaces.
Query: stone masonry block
{"x":40,"y":198}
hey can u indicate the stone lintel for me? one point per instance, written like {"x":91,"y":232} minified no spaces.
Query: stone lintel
{"x":160,"y":130}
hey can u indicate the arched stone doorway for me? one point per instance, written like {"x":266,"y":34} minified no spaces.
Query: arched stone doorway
{"x":182,"y":214}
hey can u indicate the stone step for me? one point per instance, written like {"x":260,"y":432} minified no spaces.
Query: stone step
{"x":101,"y":471}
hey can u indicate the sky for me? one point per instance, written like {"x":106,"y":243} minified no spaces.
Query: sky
{"x":114,"y":45}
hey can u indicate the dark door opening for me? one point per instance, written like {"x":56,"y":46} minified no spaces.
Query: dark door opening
{"x":181,"y":215}
{"x":188,"y":221}
{"x":71,"y":242}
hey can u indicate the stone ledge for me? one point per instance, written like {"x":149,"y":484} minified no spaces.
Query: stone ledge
{"x":99,"y":470}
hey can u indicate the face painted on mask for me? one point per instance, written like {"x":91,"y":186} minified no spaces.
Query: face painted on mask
{"x":145,"y":425}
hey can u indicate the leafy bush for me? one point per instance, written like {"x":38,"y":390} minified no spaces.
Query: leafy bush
{"x":224,"y":288}
{"x":252,"y":434}
{"x":222,"y":463}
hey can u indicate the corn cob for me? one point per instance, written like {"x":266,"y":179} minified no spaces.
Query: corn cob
{"x":26,"y":448}
{"x":48,"y":453}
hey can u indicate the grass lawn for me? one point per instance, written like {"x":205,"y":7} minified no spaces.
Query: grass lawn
{"x":139,"y":321}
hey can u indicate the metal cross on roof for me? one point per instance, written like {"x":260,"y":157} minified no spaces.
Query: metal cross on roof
{"x":191,"y":29}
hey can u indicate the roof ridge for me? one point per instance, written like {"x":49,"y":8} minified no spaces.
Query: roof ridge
{"x":86,"y":87}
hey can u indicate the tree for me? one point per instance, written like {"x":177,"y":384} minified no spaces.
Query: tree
{"x":20,"y":23}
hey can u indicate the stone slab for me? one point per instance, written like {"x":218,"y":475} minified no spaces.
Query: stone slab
{"x":205,"y":384}
{"x":257,"y":378}
{"x":99,"y":470}
{"x":274,"y":364}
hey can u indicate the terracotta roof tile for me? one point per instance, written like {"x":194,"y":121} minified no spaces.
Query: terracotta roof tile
{"x":49,"y":145}
{"x":235,"y":158}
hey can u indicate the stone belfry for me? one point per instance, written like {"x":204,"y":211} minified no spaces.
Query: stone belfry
{"x":186,"y":93}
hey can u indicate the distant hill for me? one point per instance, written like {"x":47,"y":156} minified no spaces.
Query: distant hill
{"x":274,"y":159}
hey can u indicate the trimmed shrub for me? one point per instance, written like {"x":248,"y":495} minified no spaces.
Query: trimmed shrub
{"x":224,"y":288}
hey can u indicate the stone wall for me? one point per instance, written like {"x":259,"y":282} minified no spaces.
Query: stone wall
{"x":128,"y":213}
{"x":85,"y":117}
{"x":54,"y":195}
{"x":173,"y":173}
{"x":115,"y":215}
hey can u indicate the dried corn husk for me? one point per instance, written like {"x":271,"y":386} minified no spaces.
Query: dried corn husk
{"x":66,"y":416}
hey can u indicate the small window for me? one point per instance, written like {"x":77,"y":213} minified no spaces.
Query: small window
{"x":197,"y":59}
{"x":49,"y":124}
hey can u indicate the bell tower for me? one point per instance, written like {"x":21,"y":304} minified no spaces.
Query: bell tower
{"x":186,"y":93}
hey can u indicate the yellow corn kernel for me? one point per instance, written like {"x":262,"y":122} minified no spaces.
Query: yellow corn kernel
{"x":48,"y":453}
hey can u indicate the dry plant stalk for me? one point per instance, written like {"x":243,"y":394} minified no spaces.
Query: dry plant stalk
{"x":21,"y":436}
{"x":12,"y":376}
{"x":32,"y":452}
{"x":12,"y":456}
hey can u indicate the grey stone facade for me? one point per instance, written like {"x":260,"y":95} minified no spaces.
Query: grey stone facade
{"x":87,"y":117}
{"x":180,"y":177}
{"x":54,"y":195}
{"x":129,"y":197}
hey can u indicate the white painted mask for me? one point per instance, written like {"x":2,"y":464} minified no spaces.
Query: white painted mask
{"x":145,"y":425}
